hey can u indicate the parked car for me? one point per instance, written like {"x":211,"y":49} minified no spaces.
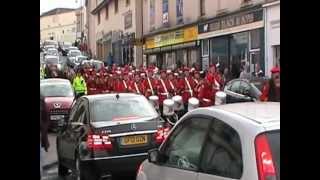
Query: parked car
{"x":45,"y":49}
{"x":72,"y":57}
{"x":52,"y":52}
{"x":65,"y":47}
{"x":241,"y":90}
{"x":107,"y":135}
{"x":232,"y":141}
{"x":57,"y":95}
{"x":52,"y":66}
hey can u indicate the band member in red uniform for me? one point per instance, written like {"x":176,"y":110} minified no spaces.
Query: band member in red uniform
{"x":188,"y":87}
{"x":136,"y":86}
{"x":196,"y":81}
{"x":100,"y":83}
{"x":271,"y":90}
{"x":205,"y":94}
{"x":150,"y":84}
{"x":163,"y":88}
{"x":120,"y":85}
{"x":91,"y":83}
{"x":172,"y":88}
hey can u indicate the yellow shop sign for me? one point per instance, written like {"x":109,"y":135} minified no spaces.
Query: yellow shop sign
{"x":173,"y":37}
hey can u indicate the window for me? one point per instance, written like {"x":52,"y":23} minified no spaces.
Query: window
{"x":127,"y":2}
{"x":98,"y":17}
{"x":202,"y":8}
{"x":107,"y":11}
{"x":276,"y":52}
{"x":222,"y":154}
{"x":183,"y":149}
{"x":245,"y":88}
{"x":205,"y":47}
{"x":116,"y":8}
{"x":235,"y":87}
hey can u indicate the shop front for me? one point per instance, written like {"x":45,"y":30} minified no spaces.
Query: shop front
{"x":272,"y":35}
{"x":173,"y":49}
{"x":234,"y":40}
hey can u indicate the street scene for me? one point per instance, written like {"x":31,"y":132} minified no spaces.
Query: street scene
{"x":159,"y":89}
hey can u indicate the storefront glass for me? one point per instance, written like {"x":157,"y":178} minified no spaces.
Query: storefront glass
{"x":238,"y":52}
{"x":219,"y":52}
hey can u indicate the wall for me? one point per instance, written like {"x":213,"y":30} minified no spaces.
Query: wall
{"x":91,"y":27}
{"x":272,"y":27}
{"x":57,"y":24}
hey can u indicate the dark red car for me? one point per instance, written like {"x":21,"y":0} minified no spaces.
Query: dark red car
{"x":57,"y":96}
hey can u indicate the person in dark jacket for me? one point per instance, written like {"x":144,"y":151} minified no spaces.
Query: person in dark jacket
{"x":271,"y":90}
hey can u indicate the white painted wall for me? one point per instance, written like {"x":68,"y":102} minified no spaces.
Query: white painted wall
{"x":272,"y":33}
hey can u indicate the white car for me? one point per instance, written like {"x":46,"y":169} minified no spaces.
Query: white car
{"x":74,"y":53}
{"x":52,"y":52}
{"x":226,"y":142}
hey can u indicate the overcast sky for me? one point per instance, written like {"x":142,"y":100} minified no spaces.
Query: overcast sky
{"x":47,"y":5}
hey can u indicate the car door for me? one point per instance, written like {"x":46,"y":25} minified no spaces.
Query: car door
{"x":73,"y":131}
{"x":222,"y":153}
{"x":67,"y":136}
{"x":64,"y":132}
{"x":181,"y":151}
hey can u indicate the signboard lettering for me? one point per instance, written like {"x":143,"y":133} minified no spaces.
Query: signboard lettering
{"x":231,"y":21}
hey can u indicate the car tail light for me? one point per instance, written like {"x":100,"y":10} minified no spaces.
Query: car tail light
{"x":265,"y":165}
{"x":161,"y":134}
{"x":99,"y":142}
{"x":140,"y":169}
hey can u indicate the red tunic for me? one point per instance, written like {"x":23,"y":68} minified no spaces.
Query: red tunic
{"x":163,"y":90}
{"x":137,"y":87}
{"x":150,"y":86}
{"x":205,"y":95}
{"x":187,"y":93}
{"x":120,"y":86}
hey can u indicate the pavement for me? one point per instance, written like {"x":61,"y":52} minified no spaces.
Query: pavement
{"x":50,"y":157}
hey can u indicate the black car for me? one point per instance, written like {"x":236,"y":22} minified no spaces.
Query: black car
{"x":107,"y":135}
{"x":241,"y":90}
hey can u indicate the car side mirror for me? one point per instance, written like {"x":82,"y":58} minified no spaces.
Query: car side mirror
{"x":154,"y":156}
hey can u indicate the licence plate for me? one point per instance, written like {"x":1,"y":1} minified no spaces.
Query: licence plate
{"x":133,"y":140}
{"x":56,"y":117}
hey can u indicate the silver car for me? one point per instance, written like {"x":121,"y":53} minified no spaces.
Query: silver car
{"x":233,"y":141}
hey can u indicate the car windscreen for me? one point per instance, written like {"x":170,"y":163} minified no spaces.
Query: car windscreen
{"x":274,"y":142}
{"x":115,"y":110}
{"x":56,"y":90}
{"x":52,"y":51}
{"x":81,"y":59}
{"x":52,"y":61}
{"x":75,"y":53}
{"x":97,"y":65}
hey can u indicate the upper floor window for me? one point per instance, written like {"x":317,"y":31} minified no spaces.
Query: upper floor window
{"x":107,"y":11}
{"x":127,"y":2}
{"x":98,"y":17}
{"x":116,"y":7}
{"x":202,"y":7}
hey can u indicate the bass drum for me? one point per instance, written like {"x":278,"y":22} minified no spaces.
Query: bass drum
{"x":193,"y":103}
{"x":178,"y":103}
{"x":168,"y":107}
{"x":221,"y":98}
{"x":154,"y":100}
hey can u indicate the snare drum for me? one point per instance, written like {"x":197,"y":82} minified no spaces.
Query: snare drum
{"x":193,"y":103}
{"x":178,"y":103}
{"x":154,"y":100}
{"x":168,"y":107}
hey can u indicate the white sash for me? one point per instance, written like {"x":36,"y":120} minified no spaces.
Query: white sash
{"x":137,"y":89}
{"x":125,"y":84}
{"x":172,"y":86}
{"x":188,"y":86}
{"x":150,"y":86}
{"x":165,"y":88}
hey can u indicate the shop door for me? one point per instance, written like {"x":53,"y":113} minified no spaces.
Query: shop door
{"x":238,"y":52}
{"x":219,"y":52}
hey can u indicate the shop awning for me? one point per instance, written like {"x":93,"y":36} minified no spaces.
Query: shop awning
{"x":171,"y":48}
